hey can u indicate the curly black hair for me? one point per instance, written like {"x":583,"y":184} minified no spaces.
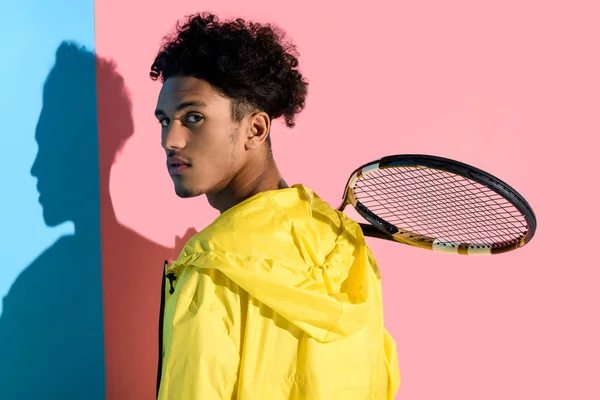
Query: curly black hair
{"x":250,"y":63}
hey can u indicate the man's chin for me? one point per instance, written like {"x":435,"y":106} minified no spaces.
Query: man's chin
{"x":186,"y":192}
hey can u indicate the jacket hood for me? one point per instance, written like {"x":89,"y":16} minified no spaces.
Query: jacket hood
{"x":294,"y":253}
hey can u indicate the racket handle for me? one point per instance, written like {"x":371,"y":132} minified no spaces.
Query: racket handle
{"x":371,"y":231}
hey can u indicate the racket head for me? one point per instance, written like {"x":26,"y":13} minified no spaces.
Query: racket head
{"x":474,"y":212}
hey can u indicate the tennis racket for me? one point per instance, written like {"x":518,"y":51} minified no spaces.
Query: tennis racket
{"x":439,"y":204}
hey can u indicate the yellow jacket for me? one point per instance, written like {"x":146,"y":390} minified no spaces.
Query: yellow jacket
{"x":279,"y":298}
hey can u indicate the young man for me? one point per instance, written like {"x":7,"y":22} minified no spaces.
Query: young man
{"x":280,"y":297}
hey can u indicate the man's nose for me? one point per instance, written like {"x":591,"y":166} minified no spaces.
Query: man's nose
{"x":174,"y":138}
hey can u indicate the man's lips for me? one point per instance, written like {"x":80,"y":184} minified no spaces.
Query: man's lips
{"x":177,"y":165}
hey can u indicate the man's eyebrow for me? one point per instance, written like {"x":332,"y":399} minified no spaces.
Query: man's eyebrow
{"x":183,"y":106}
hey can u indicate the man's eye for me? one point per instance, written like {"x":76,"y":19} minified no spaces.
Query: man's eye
{"x":194,"y":118}
{"x":164,"y":122}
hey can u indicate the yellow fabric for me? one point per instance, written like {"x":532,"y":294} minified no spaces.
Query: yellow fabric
{"x":279,"y":298}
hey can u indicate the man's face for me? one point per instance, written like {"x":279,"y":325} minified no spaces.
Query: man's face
{"x":199,"y":136}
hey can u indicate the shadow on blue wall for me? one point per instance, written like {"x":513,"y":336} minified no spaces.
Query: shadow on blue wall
{"x":51,"y":328}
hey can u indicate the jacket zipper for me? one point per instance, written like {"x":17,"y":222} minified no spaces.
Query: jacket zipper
{"x":160,"y":327}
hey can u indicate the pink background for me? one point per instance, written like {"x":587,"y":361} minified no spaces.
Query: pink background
{"x":511,"y":87}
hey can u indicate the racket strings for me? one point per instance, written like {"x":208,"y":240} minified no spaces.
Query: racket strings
{"x":453,"y":207}
{"x":458,"y":202}
{"x":457,"y":206}
{"x":454,"y":218}
{"x":462,"y":226}
{"x":440,"y":205}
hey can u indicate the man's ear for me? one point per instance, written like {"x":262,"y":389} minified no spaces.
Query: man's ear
{"x":260,"y":126}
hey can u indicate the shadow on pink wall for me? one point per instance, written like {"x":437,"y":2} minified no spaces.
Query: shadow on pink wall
{"x":131,"y":264}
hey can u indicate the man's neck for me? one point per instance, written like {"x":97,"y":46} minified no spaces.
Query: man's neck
{"x":261,"y":177}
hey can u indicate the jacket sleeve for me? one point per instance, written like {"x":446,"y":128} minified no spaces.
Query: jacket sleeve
{"x":201,"y":338}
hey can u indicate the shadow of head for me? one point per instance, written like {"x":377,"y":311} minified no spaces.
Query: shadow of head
{"x":52,"y":322}
{"x":81,"y":320}
{"x":69,"y":171}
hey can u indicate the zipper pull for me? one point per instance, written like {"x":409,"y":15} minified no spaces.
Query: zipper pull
{"x":171,"y":277}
